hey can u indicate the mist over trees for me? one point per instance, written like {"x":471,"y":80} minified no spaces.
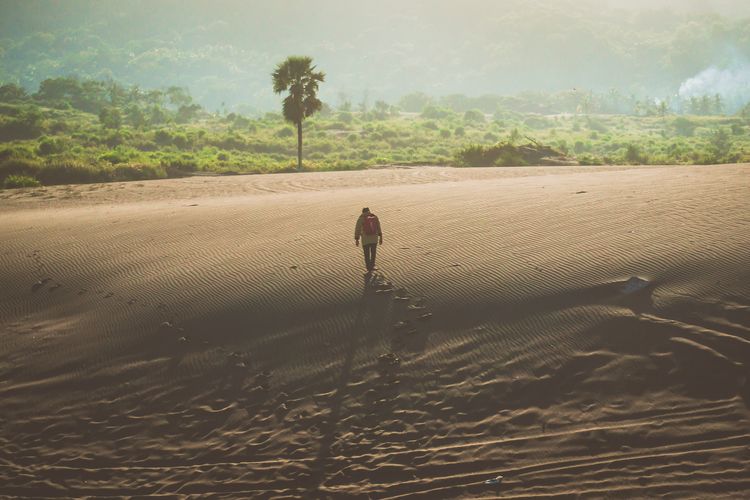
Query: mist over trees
{"x":222,"y":51}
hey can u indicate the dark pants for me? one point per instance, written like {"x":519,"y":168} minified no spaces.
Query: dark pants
{"x":370,"y":251}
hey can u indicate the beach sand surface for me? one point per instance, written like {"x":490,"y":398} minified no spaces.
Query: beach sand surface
{"x":575,"y":330}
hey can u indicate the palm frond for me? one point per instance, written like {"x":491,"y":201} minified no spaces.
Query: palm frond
{"x":298,"y":76}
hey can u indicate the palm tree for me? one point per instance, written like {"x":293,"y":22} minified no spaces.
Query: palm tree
{"x":298,"y":76}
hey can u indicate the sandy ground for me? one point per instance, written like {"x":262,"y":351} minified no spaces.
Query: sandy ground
{"x":579,"y":331}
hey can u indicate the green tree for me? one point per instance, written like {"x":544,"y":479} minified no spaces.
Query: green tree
{"x":662,"y":109}
{"x":436,"y":113}
{"x":157,"y":115}
{"x":381,"y":110}
{"x":297,"y":75}
{"x":178,"y":96}
{"x":473,"y":116}
{"x":704,"y":108}
{"x":414,"y":103}
{"x":27,"y":125}
{"x":684,"y":126}
{"x":135,"y":116}
{"x":718,"y":105}
{"x":110,"y":117}
{"x":745,"y":112}
{"x":187,"y":113}
{"x":514,"y":136}
{"x":12,"y":92}
{"x":719,"y":145}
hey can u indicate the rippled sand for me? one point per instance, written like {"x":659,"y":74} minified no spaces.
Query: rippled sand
{"x":576,"y":330}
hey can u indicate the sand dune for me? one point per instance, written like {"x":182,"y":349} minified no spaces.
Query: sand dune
{"x":579,"y":331}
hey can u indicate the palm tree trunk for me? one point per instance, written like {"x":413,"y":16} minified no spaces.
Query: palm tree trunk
{"x":299,"y":145}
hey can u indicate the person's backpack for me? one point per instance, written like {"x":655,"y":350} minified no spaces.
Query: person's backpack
{"x":370,"y":224}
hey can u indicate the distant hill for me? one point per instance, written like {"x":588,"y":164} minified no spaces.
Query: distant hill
{"x":223,"y":51}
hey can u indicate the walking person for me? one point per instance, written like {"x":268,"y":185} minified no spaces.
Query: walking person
{"x":368,"y":228}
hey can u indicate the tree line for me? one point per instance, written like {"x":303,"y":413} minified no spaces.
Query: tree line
{"x":115,"y":104}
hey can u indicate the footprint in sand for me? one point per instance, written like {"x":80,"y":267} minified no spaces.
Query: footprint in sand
{"x":380,"y":284}
{"x":39,"y":284}
{"x":388,"y":361}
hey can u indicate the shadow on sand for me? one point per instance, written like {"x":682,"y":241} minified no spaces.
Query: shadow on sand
{"x":371,"y":315}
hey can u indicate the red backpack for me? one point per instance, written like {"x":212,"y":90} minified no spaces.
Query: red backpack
{"x":370,"y":224}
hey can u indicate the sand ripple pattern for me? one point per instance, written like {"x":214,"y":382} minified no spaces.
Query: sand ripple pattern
{"x":216,"y":335}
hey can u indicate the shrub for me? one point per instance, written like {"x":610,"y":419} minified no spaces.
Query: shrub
{"x":58,"y":127}
{"x":683,"y":126}
{"x":145,"y":145}
{"x":18,"y":166}
{"x":345,"y":116}
{"x":28,"y":125}
{"x":137,"y":172}
{"x":113,"y":138}
{"x":177,"y":166}
{"x":110,"y":117}
{"x":590,"y":160}
{"x":182,"y":141}
{"x":70,"y":171}
{"x":339,"y":125}
{"x":49,"y":146}
{"x":719,"y":145}
{"x":504,"y":154}
{"x":595,"y":125}
{"x":285,"y":132}
{"x":12,"y":92}
{"x":8,"y":109}
{"x":537,"y":122}
{"x":633,"y":154}
{"x":118,"y":155}
{"x":436,"y":113}
{"x":16,"y":151}
{"x":162,"y":137}
{"x":19,"y":181}
{"x":229,"y":141}
{"x":474,"y":116}
{"x":473,"y":155}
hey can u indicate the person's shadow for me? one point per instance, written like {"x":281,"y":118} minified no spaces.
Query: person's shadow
{"x":372,"y":314}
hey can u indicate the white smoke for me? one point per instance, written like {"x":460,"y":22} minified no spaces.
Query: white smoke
{"x":732,"y":84}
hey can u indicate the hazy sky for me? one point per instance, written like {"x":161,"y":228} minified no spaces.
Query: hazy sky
{"x":225,"y":50}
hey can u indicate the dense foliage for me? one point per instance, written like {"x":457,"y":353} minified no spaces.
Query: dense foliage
{"x":74,"y":130}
